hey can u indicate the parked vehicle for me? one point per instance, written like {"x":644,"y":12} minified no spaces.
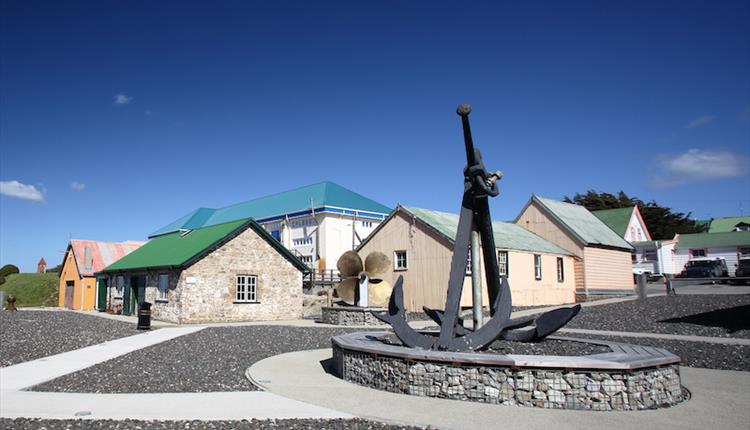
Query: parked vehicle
{"x":743,"y":270}
{"x":705,"y":268}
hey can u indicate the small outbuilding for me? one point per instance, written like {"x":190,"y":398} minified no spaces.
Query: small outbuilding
{"x":603,"y":258}
{"x":420,"y":243}
{"x":233,"y":271}
{"x":78,"y":287}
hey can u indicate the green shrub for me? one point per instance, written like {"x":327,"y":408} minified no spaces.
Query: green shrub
{"x":8,"y":269}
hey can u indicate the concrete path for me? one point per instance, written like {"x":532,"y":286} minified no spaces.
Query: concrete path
{"x":161,"y":406}
{"x":719,"y":400}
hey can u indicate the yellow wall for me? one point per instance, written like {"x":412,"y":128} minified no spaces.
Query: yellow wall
{"x":85,"y":287}
{"x":525,"y":289}
{"x":429,"y":255}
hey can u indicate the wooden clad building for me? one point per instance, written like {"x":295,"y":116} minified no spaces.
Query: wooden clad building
{"x":603,"y":258}
{"x":420,"y":244}
{"x":78,"y":286}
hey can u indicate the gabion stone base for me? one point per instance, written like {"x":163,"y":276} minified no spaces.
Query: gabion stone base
{"x":341,"y":315}
{"x":597,"y":382}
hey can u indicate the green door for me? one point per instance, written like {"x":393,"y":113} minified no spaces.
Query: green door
{"x":101,"y":303}
{"x":126,"y":297}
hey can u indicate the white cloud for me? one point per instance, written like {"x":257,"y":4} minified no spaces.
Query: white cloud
{"x":700,"y":165}
{"x":21,"y":191}
{"x":122,"y":99}
{"x":701,"y":120}
{"x":78,"y":186}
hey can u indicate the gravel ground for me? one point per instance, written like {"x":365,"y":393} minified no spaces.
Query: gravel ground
{"x":696,"y":354}
{"x":28,"y":335}
{"x":213,"y":359}
{"x":288,"y":424}
{"x":715,"y":316}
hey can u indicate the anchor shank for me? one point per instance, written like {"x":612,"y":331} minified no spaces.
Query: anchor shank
{"x":458,"y":270}
{"x":492,"y":273}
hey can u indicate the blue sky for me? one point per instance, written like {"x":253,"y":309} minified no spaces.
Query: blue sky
{"x":118,"y":117}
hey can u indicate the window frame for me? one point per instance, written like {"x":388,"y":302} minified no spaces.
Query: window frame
{"x":703,"y":250}
{"x":538,"y":267}
{"x":396,"y":265}
{"x":119,"y":286}
{"x":246,"y":291}
{"x":505,"y":264}
{"x":162,"y":295}
{"x":740,"y":254}
{"x":560,"y":269}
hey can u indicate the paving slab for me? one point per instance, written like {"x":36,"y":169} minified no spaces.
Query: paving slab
{"x":719,"y":400}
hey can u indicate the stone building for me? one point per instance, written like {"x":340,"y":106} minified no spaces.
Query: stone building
{"x":233,"y":271}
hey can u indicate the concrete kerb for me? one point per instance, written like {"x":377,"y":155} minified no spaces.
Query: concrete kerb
{"x":719,"y":400}
{"x":15,"y":402}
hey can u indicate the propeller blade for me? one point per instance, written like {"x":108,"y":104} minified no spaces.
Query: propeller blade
{"x":346,"y":289}
{"x":377,"y":264}
{"x":349,"y":264}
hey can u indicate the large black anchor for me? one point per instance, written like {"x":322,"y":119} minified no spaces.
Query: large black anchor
{"x":475,"y":215}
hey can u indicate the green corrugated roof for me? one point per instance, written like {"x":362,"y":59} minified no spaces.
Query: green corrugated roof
{"x":318,"y":195}
{"x":176,"y":249}
{"x":507,"y":235}
{"x":616,"y":219}
{"x":713,"y":240}
{"x":583,"y":223}
{"x":722,"y":225}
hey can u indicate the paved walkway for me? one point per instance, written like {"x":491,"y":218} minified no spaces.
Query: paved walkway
{"x":719,"y":400}
{"x":14,"y":402}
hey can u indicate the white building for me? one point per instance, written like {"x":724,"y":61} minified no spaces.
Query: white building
{"x":317,"y":223}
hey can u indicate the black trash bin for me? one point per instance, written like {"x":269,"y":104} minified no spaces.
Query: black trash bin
{"x":144,"y":316}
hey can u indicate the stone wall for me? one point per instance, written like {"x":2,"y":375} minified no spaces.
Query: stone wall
{"x":338,"y":315}
{"x":647,"y":388}
{"x":205,"y":291}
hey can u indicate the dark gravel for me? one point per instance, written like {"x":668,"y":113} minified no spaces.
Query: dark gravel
{"x":547,"y":347}
{"x":287,"y":424}
{"x":213,"y":359}
{"x":715,"y":316}
{"x":695,"y":354}
{"x":28,"y":335}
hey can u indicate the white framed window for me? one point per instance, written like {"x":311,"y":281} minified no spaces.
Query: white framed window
{"x":307,"y":259}
{"x":367,"y":224}
{"x":502,"y":262}
{"x":163,"y":287}
{"x":537,"y":267}
{"x":697,"y":253}
{"x":247,"y":289}
{"x":744,"y":251}
{"x":649,"y":255}
{"x":560,"y":270}
{"x":400,"y":261}
{"x":302,"y":241}
{"x":119,"y":285}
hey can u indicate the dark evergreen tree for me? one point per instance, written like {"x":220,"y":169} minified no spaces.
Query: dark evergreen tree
{"x":661,"y":222}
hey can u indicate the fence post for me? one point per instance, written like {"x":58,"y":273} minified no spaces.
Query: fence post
{"x":641,"y":280}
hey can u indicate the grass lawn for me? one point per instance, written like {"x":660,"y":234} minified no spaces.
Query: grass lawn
{"x":32,"y":289}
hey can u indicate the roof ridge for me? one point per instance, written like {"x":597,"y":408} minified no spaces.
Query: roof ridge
{"x":276,"y":194}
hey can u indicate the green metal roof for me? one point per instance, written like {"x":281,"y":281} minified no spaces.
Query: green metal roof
{"x":582,"y":223}
{"x":507,"y":235}
{"x":616,"y":219}
{"x":323,"y":194}
{"x":713,"y":240}
{"x":722,"y":225}
{"x":179,"y":249}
